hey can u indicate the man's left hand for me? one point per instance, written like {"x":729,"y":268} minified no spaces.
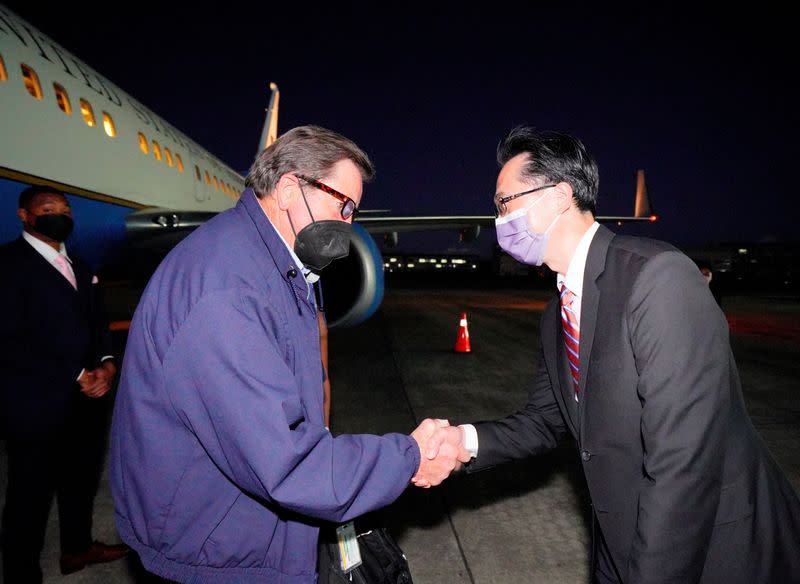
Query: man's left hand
{"x":103,"y":379}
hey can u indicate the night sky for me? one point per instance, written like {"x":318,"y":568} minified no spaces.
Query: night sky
{"x":703,"y":99}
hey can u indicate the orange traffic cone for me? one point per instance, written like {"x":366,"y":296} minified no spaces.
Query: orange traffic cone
{"x":462,"y":342}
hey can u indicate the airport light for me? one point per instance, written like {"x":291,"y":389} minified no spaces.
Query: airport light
{"x":422,"y":260}
{"x":393,"y":260}
{"x":439,"y":266}
{"x":409,"y":265}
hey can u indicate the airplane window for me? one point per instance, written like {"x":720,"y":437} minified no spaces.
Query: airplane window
{"x":143,"y":143}
{"x":168,"y":156}
{"x":108,"y":125}
{"x":63,"y":99}
{"x":216,"y":183}
{"x":179,"y":161}
{"x":208,"y":178}
{"x":197,"y":172}
{"x":156,"y":150}
{"x":3,"y":73}
{"x":88,"y":113}
{"x":31,"y":82}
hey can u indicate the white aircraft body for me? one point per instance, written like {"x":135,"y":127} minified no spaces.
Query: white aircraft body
{"x":135,"y":181}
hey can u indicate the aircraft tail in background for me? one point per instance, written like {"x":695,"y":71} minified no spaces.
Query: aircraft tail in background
{"x":270,"y":131}
{"x":642,"y":207}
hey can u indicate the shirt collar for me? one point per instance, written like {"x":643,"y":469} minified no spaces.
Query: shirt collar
{"x":310,"y":276}
{"x":573,"y":279}
{"x":44,"y":249}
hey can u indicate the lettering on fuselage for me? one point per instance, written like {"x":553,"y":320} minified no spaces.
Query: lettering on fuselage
{"x":47,"y":49}
{"x":30,"y":38}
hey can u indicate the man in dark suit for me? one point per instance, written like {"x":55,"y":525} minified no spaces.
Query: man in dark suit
{"x":55,"y":364}
{"x":636,"y":365}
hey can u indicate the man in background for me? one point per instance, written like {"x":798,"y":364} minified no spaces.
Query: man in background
{"x":56,"y":364}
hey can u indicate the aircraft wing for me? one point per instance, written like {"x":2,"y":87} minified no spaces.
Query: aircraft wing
{"x":379,"y":222}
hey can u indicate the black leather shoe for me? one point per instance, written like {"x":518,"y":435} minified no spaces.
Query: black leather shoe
{"x":98,"y":553}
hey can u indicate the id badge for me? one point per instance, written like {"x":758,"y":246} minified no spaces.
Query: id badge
{"x":349,"y":554}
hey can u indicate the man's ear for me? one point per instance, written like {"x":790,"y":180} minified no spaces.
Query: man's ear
{"x":22,"y":214}
{"x":286,"y":189}
{"x":563,"y":196}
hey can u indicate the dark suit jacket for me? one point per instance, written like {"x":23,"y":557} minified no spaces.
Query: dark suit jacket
{"x":48,"y":333}
{"x":681,"y":483}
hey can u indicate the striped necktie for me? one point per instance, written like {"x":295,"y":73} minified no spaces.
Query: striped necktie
{"x":572,"y":337}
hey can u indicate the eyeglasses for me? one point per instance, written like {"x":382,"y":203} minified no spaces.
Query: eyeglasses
{"x":348,"y":208}
{"x":500,"y":204}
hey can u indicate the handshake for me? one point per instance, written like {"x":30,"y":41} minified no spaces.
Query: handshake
{"x":442,"y":452}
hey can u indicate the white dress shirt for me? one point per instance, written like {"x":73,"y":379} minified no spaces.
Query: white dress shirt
{"x":48,"y":252}
{"x":573,"y":280}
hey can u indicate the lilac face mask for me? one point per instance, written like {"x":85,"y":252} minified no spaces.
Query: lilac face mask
{"x":518,"y":240}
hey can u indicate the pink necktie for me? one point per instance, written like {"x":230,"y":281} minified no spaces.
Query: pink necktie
{"x":66,"y":269}
{"x":572,"y":338}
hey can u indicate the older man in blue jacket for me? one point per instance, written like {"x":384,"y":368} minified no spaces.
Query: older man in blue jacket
{"x":220,"y":460}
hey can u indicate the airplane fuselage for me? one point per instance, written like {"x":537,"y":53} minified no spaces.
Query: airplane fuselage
{"x":64,"y":125}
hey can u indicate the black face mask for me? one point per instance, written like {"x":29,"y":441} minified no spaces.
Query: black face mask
{"x":56,"y":227}
{"x":321,"y":242}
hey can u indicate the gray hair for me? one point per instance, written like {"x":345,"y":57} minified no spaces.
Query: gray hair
{"x":308,"y":150}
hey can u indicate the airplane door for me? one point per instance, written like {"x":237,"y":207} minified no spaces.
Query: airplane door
{"x":200,"y":192}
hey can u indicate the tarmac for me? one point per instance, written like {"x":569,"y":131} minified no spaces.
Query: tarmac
{"x":522,"y":522}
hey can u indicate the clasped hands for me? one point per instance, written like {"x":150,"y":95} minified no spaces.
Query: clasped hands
{"x":442,"y":452}
{"x":97,"y":382}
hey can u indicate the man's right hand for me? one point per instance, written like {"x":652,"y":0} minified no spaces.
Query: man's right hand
{"x":441,"y":452}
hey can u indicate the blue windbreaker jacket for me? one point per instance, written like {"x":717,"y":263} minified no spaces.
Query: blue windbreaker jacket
{"x":220,"y":462}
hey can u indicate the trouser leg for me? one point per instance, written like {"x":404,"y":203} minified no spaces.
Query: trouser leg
{"x":79,"y":475}
{"x":605,"y":571}
{"x":29,"y":494}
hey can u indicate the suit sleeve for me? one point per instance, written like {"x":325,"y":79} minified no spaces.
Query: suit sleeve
{"x":680,"y":342}
{"x":227,"y":377}
{"x":534,"y":429}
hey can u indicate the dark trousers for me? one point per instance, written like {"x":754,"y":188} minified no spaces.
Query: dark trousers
{"x":605,"y":572}
{"x":67,"y":464}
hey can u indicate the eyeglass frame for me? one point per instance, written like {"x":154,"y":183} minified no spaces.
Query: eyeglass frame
{"x":500,"y":204}
{"x":334,"y":193}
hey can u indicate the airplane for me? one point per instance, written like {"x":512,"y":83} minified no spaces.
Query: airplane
{"x":135,"y":182}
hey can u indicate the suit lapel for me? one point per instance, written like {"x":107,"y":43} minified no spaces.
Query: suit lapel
{"x":552,"y":345}
{"x":82,"y":276}
{"x":47,"y":270}
{"x":595,"y":264}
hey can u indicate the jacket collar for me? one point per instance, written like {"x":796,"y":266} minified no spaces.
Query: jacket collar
{"x":289,"y":267}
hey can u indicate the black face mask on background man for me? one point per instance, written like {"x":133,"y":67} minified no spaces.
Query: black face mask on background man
{"x":55,"y":226}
